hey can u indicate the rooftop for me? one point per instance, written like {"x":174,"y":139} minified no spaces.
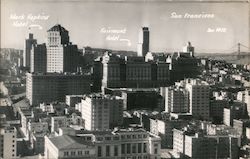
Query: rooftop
{"x":8,"y":112}
{"x":58,"y":27}
{"x":69,"y":142}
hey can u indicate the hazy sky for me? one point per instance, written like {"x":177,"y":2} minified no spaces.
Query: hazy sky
{"x":84,"y":21}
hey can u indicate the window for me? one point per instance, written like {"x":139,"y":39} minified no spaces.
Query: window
{"x":99,"y":138}
{"x":116,"y":138}
{"x":108,"y":138}
{"x":66,"y":153}
{"x":86,"y":152}
{"x":115,"y":150}
{"x":99,"y":151}
{"x":139,"y":147}
{"x":133,"y":148}
{"x":107,"y":150}
{"x":123,"y":148}
{"x":79,"y":153}
{"x":144,"y":147}
{"x":128,"y":148}
{"x":156,"y":150}
{"x":73,"y":153}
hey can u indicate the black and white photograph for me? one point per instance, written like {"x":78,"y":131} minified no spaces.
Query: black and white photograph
{"x":125,"y":79}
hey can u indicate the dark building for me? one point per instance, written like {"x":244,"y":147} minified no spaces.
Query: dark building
{"x":49,"y":87}
{"x":97,"y":76}
{"x":183,"y":65}
{"x":143,"y":44}
{"x":38,"y":58}
{"x":141,"y":99}
{"x":138,"y":98}
{"x":27,"y":50}
{"x":133,"y":72}
{"x":217,"y":109}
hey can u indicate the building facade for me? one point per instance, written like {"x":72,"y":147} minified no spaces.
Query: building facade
{"x":176,"y":100}
{"x":197,"y":145}
{"x":62,"y":56}
{"x":120,"y":144}
{"x":8,"y":146}
{"x":49,"y":87}
{"x":199,"y":98}
{"x":133,"y":72}
{"x":38,"y":58}
{"x":27,"y":49}
{"x":164,"y":129}
{"x":102,"y":112}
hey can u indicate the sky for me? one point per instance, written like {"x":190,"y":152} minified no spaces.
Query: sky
{"x":88,"y":22}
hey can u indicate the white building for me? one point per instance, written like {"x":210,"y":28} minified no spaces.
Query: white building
{"x":102,"y":112}
{"x":199,"y":98}
{"x":61,"y":54}
{"x":122,"y":144}
{"x":164,"y":129}
{"x":248,"y":132}
{"x":8,"y":145}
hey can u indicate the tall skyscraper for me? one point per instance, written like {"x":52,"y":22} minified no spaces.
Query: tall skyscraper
{"x":61,"y":54}
{"x":27,"y":50}
{"x":143,"y":43}
{"x":38,"y":58}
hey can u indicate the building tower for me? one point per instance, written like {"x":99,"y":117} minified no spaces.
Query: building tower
{"x":189,"y":49}
{"x":61,"y":54}
{"x":27,"y":49}
{"x":143,"y":43}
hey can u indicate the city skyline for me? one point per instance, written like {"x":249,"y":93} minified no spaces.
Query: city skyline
{"x":95,"y":25}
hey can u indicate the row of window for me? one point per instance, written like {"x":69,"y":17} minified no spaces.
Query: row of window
{"x":133,"y":136}
{"x":125,"y":149}
{"x":136,"y":157}
{"x":74,"y":153}
{"x":107,"y":138}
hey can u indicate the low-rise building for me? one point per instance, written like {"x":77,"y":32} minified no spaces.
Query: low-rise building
{"x":121,"y":144}
{"x":164,"y":129}
{"x":197,"y":144}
